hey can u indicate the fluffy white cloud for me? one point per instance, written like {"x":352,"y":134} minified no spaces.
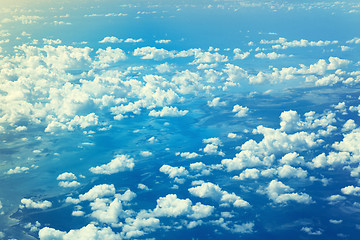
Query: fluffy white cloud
{"x":240,"y":111}
{"x":89,"y":232}
{"x":200,"y":210}
{"x":168,"y":112}
{"x":174,"y":171}
{"x":349,"y":125}
{"x":281,"y":193}
{"x":250,"y":173}
{"x":28,"y":203}
{"x":212,"y":146}
{"x":107,"y":211}
{"x":132,"y":40}
{"x":213,"y":191}
{"x":66,"y":176}
{"x":17,"y":170}
{"x":216,"y":102}
{"x":188,"y":155}
{"x":69,"y":184}
{"x":111,"y":39}
{"x":350,"y":142}
{"x":172,"y":206}
{"x":146,"y":153}
{"x":288,"y":171}
{"x":310,"y":231}
{"x":98,"y":191}
{"x":271,"y":56}
{"x":351,"y":190}
{"x":163,"y":41}
{"x":333,"y":199}
{"x":120,"y":163}
{"x":292,"y":159}
{"x":105,"y":58}
{"x":153,"y":53}
{"x":239,"y":54}
{"x":283,"y":43}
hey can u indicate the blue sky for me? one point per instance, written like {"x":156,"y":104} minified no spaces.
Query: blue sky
{"x":181,"y":119}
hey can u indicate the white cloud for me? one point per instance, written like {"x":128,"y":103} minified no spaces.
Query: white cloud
{"x":77,"y":213}
{"x":132,"y":40}
{"x":250,"y":173}
{"x":333,"y":199}
{"x":281,"y":193}
{"x":143,"y":187}
{"x":174,"y":171}
{"x":216,"y":102}
{"x":334,"y":221}
{"x":69,"y":184}
{"x":171,"y":206}
{"x":239,"y":54}
{"x":284,"y":43}
{"x":310,"y":231}
{"x":98,"y":191}
{"x":240,"y":111}
{"x":105,"y":58}
{"x":201,"y":211}
{"x":120,"y":163}
{"x":188,"y":155}
{"x":168,"y":112}
{"x":213,"y":191}
{"x":163,"y":68}
{"x":153,"y":53}
{"x":146,"y":153}
{"x":232,"y":135}
{"x":351,"y":190}
{"x":107,"y":211}
{"x":51,"y":41}
{"x":28,"y":203}
{"x":89,"y":232}
{"x":271,"y":56}
{"x":243,"y":228}
{"x":66,"y":176}
{"x":350,"y":142}
{"x":111,"y":39}
{"x":163,"y":41}
{"x":349,"y":125}
{"x":292,"y":159}
{"x":17,"y":170}
{"x":287,"y":171}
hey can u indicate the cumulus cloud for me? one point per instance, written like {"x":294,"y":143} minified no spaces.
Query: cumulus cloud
{"x":240,"y":111}
{"x":69,"y":184}
{"x":120,"y":163}
{"x":250,"y":173}
{"x":89,"y":232}
{"x":163,"y":41}
{"x":98,"y":191}
{"x":271,"y":56}
{"x":105,"y":58}
{"x":132,"y":40}
{"x":213,"y":191}
{"x":17,"y":170}
{"x":111,"y":39}
{"x":171,"y":206}
{"x":174,"y":171}
{"x":66,"y":176}
{"x":216,"y":102}
{"x":28,"y":203}
{"x":281,"y":193}
{"x":238,"y":54}
{"x":188,"y":155}
{"x":351,"y":190}
{"x":168,"y":112}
